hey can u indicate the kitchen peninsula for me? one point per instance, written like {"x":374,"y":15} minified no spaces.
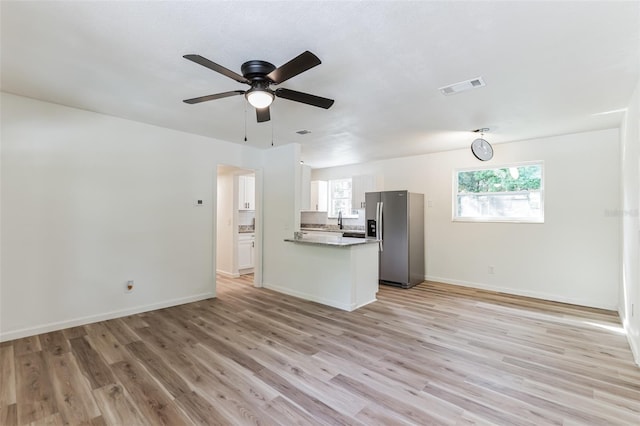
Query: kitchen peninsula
{"x":337,"y":271}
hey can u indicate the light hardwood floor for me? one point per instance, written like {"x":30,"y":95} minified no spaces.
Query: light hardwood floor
{"x":433,"y":354}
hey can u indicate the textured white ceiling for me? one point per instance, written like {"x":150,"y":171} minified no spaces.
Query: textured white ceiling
{"x":548,"y":67}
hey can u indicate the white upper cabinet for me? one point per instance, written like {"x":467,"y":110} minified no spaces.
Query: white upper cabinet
{"x":313,"y":193}
{"x":246,"y":192}
{"x":318,"y":195}
{"x":359,"y":186}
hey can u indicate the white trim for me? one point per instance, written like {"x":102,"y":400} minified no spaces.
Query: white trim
{"x":515,"y":292}
{"x":634,"y":343}
{"x":227,"y":274}
{"x":59,"y":325}
{"x":311,"y":297}
{"x":635,"y":349}
{"x":498,"y":219}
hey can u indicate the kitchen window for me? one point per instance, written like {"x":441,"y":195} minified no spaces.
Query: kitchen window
{"x":510,"y":193}
{"x":340,"y":197}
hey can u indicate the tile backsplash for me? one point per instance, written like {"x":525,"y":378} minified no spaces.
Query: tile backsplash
{"x":246,"y":217}
{"x":320,"y":220}
{"x":246,"y":221}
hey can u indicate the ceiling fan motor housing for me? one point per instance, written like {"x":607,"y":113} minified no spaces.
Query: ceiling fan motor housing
{"x":257,"y":70}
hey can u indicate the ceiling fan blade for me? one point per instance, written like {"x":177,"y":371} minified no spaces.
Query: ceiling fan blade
{"x":297,"y":65}
{"x":217,"y":68}
{"x":263,"y":114}
{"x":212,"y":97}
{"x":305,"y":98}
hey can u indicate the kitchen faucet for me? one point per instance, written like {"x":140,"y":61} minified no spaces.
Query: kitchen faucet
{"x":340,"y":219}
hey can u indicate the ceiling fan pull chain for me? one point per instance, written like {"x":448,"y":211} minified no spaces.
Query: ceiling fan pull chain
{"x":245,"y":120}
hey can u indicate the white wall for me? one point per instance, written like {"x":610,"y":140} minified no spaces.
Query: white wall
{"x":225,"y":232}
{"x":573,"y":257}
{"x":630,"y":212}
{"x":90,"y":201}
{"x":281,"y":217}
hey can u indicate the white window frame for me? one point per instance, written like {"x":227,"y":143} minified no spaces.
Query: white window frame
{"x":498,"y":219}
{"x":330,"y":214}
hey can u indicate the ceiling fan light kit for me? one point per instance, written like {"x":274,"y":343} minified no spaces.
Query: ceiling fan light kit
{"x":260,"y":75}
{"x":259,"y":98}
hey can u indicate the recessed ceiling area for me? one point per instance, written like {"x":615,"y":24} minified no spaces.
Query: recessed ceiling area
{"x":549,"y":68}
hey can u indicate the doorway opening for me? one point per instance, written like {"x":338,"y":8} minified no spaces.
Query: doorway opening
{"x":237,"y":224}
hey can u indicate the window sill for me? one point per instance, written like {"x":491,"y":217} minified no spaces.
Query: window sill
{"x":498,"y":220}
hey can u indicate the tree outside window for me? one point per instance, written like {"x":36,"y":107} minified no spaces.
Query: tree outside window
{"x":505,"y":194}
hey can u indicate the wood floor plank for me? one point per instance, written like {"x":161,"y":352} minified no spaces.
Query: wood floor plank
{"x":51,"y":420}
{"x":101,"y":339}
{"x":315,"y":407}
{"x":74,"y":332}
{"x":199,"y":410}
{"x":117,"y":407}
{"x":34,"y":392}
{"x":160,"y":370}
{"x":54,"y":342}
{"x":122,"y":331}
{"x":287,"y":413}
{"x":71,"y":389}
{"x":9,"y":415}
{"x":154,"y":402}
{"x":400,"y":408}
{"x":91,"y":363}
{"x":7,"y":377}
{"x":26,"y":345}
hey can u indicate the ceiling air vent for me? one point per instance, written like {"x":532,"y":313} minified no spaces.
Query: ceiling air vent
{"x":452,"y":89}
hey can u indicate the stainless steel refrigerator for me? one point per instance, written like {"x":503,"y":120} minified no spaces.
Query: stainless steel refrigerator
{"x":396,"y":220}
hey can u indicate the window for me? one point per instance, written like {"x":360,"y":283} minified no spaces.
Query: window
{"x":340,"y":197}
{"x":512,"y":193}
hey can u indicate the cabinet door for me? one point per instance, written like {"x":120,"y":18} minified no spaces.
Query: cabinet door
{"x":359,"y":186}
{"x":242,"y":202}
{"x":318,"y":196}
{"x":246,"y":192}
{"x":250,"y":192}
{"x":245,"y":258}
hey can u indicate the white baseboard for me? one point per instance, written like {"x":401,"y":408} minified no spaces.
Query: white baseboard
{"x":227,"y":274}
{"x":518,"y":292}
{"x":354,"y":307}
{"x":311,"y":297}
{"x":635,"y":348}
{"x":634,"y":341}
{"x":59,"y":325}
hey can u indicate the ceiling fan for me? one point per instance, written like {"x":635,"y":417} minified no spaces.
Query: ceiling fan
{"x":260,"y":75}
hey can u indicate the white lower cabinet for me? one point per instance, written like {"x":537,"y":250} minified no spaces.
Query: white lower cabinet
{"x":246,"y":249}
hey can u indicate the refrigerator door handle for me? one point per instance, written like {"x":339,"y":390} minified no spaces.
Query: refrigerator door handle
{"x":378,"y":221}
{"x":380,"y":228}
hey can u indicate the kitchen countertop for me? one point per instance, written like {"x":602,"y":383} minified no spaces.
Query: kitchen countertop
{"x":331,"y":240}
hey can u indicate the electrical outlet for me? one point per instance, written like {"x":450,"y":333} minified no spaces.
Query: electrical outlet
{"x":128,"y":288}
{"x":490,"y":270}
